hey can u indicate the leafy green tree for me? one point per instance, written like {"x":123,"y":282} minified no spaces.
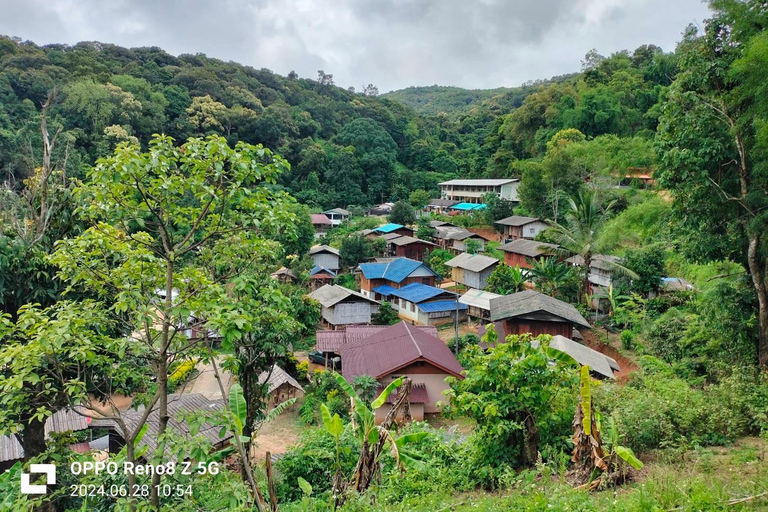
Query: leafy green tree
{"x":712,"y":143}
{"x":505,"y":280}
{"x":376,"y":153}
{"x":366,"y":387}
{"x":386,"y":315}
{"x":471,"y":246}
{"x":436,"y":261}
{"x":419,"y":198}
{"x":402,"y":213}
{"x":354,"y":250}
{"x":497,"y":209}
{"x":648,"y":263}
{"x":181,"y":224}
{"x":511,"y":392}
{"x":424,"y":231}
{"x":550,"y":275}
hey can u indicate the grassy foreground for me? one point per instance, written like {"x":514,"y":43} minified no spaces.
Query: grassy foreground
{"x":732,"y":478}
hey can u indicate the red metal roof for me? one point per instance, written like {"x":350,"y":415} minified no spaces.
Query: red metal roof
{"x":393,"y":348}
{"x":331,"y":341}
{"x":418,"y":395}
{"x":319,"y":218}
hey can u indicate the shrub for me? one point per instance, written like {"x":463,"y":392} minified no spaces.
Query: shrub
{"x":627,"y":339}
{"x":302,"y":369}
{"x":181,"y":374}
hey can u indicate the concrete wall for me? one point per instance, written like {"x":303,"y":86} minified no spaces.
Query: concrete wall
{"x":509,"y":191}
{"x":433,"y":381}
{"x":329,"y":261}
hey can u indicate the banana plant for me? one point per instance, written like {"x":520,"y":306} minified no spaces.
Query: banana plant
{"x":616,"y":451}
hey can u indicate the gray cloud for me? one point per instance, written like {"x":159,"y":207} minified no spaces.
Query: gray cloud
{"x":391,"y":43}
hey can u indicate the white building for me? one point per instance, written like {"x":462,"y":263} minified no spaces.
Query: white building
{"x":472,"y":191}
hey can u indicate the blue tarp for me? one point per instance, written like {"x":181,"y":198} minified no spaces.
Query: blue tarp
{"x":388,"y":228}
{"x":468,"y":206}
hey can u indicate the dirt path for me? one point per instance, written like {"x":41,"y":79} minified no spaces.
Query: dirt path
{"x":447,"y":334}
{"x":279,"y":434}
{"x":205,"y":383}
{"x":627,"y":365}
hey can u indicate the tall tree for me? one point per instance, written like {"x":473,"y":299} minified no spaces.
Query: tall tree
{"x":713,"y":143}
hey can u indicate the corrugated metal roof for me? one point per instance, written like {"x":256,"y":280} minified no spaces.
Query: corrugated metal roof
{"x":480,"y":183}
{"x":599,"y":261}
{"x":440,"y":223}
{"x":478,"y":299}
{"x":339,"y":211}
{"x":418,"y":394}
{"x":330,"y":341}
{"x":63,"y":420}
{"x":472,"y":262}
{"x":530,"y":301}
{"x":323,"y":248}
{"x":384,"y":289}
{"x":517,"y":220}
{"x":321,"y":270}
{"x":529,"y":248}
{"x":395,"y":347}
{"x":417,"y":292}
{"x":284,"y":272}
{"x":585,"y":356}
{"x":388,"y":228}
{"x":407,"y":240}
{"x":331,"y":294}
{"x":390,"y":236}
{"x":177,"y":404}
{"x":320,"y":219}
{"x":442,"y":203}
{"x":276,"y":377}
{"x":395,"y":270}
{"x":463,"y":235}
{"x":445,"y":232}
{"x":441,"y":305}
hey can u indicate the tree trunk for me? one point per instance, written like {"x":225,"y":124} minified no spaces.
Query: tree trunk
{"x":530,"y":441}
{"x":33,"y":438}
{"x":271,"y":482}
{"x":758,"y":274}
{"x":162,"y":409}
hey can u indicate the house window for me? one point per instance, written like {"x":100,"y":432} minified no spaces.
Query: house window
{"x":413,"y":308}
{"x":402,"y":303}
{"x":532,"y":231}
{"x":425,"y":280}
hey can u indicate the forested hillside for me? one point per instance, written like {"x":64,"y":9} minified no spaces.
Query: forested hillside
{"x":434,"y":99}
{"x":344,"y":148}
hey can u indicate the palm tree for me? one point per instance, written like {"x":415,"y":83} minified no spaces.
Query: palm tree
{"x":549,"y":275}
{"x":580,"y":232}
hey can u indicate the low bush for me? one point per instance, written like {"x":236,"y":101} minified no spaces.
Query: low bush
{"x":181,"y":374}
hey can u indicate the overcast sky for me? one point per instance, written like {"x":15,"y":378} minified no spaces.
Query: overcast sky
{"x":392,"y":44}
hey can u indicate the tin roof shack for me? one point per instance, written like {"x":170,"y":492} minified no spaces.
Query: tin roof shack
{"x":518,"y":253}
{"x":423,"y":304}
{"x":533,"y":312}
{"x":440,"y":205}
{"x":341,"y":306}
{"x":337,"y":216}
{"x":478,"y":303}
{"x":178,"y":405}
{"x":394,"y":274}
{"x":319,"y":277}
{"x":63,"y":420}
{"x":321,"y":223}
{"x":442,"y":235}
{"x":280,"y":386}
{"x":325,"y":256}
{"x":284,"y":275}
{"x":403,"y":349}
{"x":472,"y":270}
{"x":517,"y":227}
{"x":458,"y":241}
{"x":387,"y":229}
{"x":409,"y":247}
{"x":601,"y":268}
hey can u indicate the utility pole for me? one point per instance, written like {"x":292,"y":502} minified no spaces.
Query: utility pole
{"x":456,"y":326}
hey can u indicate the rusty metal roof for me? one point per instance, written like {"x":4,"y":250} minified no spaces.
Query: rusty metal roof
{"x":331,"y":341}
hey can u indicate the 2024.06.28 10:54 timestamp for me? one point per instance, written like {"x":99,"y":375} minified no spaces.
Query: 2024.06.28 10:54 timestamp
{"x":134,"y":491}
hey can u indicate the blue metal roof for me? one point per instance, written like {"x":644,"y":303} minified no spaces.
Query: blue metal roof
{"x":317,"y":269}
{"x":384,"y":289}
{"x":468,"y":206}
{"x":417,"y":292}
{"x":441,"y":305}
{"x":388,"y":228}
{"x":395,"y":271}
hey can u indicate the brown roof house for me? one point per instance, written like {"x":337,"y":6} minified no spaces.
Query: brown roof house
{"x":331,"y":341}
{"x":533,"y":312}
{"x":479,"y":303}
{"x":472,"y":270}
{"x":398,"y":350}
{"x":341,"y":306}
{"x":518,"y":253}
{"x":284,"y":275}
{"x":321,"y":223}
{"x":409,"y":247}
{"x":325,"y":256}
{"x":281,"y":386}
{"x":517,"y":227}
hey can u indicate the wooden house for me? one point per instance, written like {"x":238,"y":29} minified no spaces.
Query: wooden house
{"x":517,"y":227}
{"x":478,"y":303}
{"x":319,"y":277}
{"x":519,"y":253}
{"x":532,"y":312}
{"x":398,"y":350}
{"x":458,"y":240}
{"x":321,"y":223}
{"x":393,"y":273}
{"x":280,"y":386}
{"x":390,"y":228}
{"x":341,"y":306}
{"x":472,"y":270}
{"x":409,"y":247}
{"x":325,"y":256}
{"x":443,"y":235}
{"x":601,"y":268}
{"x":284,"y":275}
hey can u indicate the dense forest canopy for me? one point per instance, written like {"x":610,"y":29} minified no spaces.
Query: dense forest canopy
{"x":344,"y":148}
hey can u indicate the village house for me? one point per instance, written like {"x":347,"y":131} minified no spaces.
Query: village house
{"x":478,"y":303}
{"x":393,"y":273}
{"x":472,"y":191}
{"x":519,"y":253}
{"x":409,"y":247}
{"x":325,"y":256}
{"x":284,"y":275}
{"x":280,"y":386}
{"x":532,"y":312}
{"x":341,"y":306}
{"x":440,"y":205}
{"x":382,"y":209}
{"x":423,"y":304}
{"x":321,"y":223}
{"x":458,"y":241}
{"x":517,"y":227}
{"x":337,"y":216}
{"x":388,"y":229}
{"x":472,"y":270}
{"x":403,"y":350}
{"x":319,"y":277}
{"x":601,"y":268}
{"x":330,"y":342}
{"x":443,"y":233}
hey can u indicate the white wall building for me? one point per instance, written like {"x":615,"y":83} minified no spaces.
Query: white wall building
{"x":472,"y":191}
